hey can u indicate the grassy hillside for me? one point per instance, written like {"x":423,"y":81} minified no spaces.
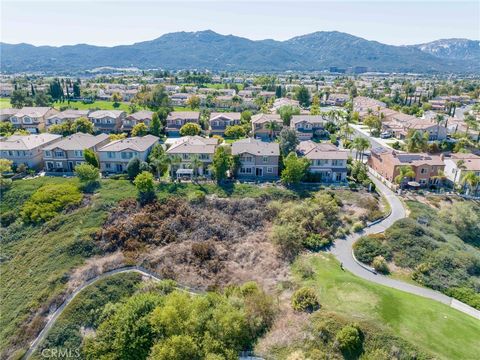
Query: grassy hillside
{"x":432,"y":326}
{"x":437,"y":246}
{"x":37,"y":260}
{"x":85,"y":311}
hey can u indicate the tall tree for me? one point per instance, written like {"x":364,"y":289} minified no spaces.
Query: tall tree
{"x":288,"y":141}
{"x":220,"y":164}
{"x":303,"y":96}
{"x":295,"y":169}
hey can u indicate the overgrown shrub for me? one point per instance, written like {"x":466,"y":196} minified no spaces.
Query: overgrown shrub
{"x":48,"y":201}
{"x":380,"y":264}
{"x":349,"y":339}
{"x":369,"y":247}
{"x":306,"y":300}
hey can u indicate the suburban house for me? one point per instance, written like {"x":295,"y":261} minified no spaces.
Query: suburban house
{"x":399,"y":124}
{"x":262,"y":126}
{"x":176,"y":119}
{"x":32,"y":119}
{"x":220,"y":121}
{"x":26,"y":149}
{"x":387,"y":164}
{"x":187,"y":148}
{"x":258,"y":159}
{"x":114,"y":156}
{"x":307,"y":126}
{"x":364,"y":105}
{"x":62,"y":156}
{"x":143,"y":116}
{"x":278,"y":103}
{"x":68,"y":115}
{"x":326,"y":160}
{"x":6,"y":114}
{"x":109,"y":121}
{"x":336,"y":99}
{"x":458,"y":164}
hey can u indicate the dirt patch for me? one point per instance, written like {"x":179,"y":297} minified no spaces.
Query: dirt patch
{"x":206,"y":245}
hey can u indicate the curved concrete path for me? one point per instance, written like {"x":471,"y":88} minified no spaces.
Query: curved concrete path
{"x":53,"y":317}
{"x":343,"y":251}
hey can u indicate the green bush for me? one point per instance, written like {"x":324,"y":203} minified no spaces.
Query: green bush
{"x":196,"y":197}
{"x":306,"y":300}
{"x":349,"y":339}
{"x":379,"y":263}
{"x":357,"y":227}
{"x":368,"y":247}
{"x":466,"y":295}
{"x":48,"y":201}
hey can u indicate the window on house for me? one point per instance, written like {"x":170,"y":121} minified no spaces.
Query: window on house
{"x":48,"y":153}
{"x":248,"y":170}
{"x":111,"y":155}
{"x":265,"y":159}
{"x":59,"y":154}
{"x":58,"y":165}
{"x":423,"y":171}
{"x":269,"y":170}
{"x":78,"y":153}
{"x":107,"y":165}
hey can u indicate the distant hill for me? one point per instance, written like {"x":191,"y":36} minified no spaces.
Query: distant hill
{"x":456,"y":49}
{"x":209,"y":50}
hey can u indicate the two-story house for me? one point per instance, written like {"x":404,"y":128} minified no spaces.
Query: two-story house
{"x":326,"y":161}
{"x":176,"y":119}
{"x":108,"y":121}
{"x":114,"y":156}
{"x":32,"y":119}
{"x":6,"y":114}
{"x":26,"y":149}
{"x":266,"y":126}
{"x":258,"y":159}
{"x":62,"y":156}
{"x":308,"y":126}
{"x":185,"y":149}
{"x":220,"y":121}
{"x":387,"y":163}
{"x":458,"y":164}
{"x":143,"y":116}
{"x":68,"y":115}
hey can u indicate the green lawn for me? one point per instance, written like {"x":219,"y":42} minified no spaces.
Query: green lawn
{"x":430,"y":325}
{"x":100,"y":104}
{"x":5,"y":103}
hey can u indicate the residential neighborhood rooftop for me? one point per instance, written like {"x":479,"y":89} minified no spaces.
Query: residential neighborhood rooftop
{"x":255,"y":147}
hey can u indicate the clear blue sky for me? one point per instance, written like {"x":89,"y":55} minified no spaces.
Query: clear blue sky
{"x":125,"y":22}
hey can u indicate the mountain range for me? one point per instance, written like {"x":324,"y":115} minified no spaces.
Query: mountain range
{"x":213,"y":51}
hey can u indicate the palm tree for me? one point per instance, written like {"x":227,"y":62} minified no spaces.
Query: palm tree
{"x":195,"y":164}
{"x":161,"y":164}
{"x":472,"y":180}
{"x":272,"y":125}
{"x":173,"y":162}
{"x":460,"y":166}
{"x":360,"y":144}
{"x":416,"y":141}
{"x":438,"y":119}
{"x":405,"y":172}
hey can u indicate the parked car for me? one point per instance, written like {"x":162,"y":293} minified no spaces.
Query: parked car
{"x":385,"y":135}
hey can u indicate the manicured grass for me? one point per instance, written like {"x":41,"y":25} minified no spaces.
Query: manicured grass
{"x":5,"y":103}
{"x":430,"y":325}
{"x":100,"y":104}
